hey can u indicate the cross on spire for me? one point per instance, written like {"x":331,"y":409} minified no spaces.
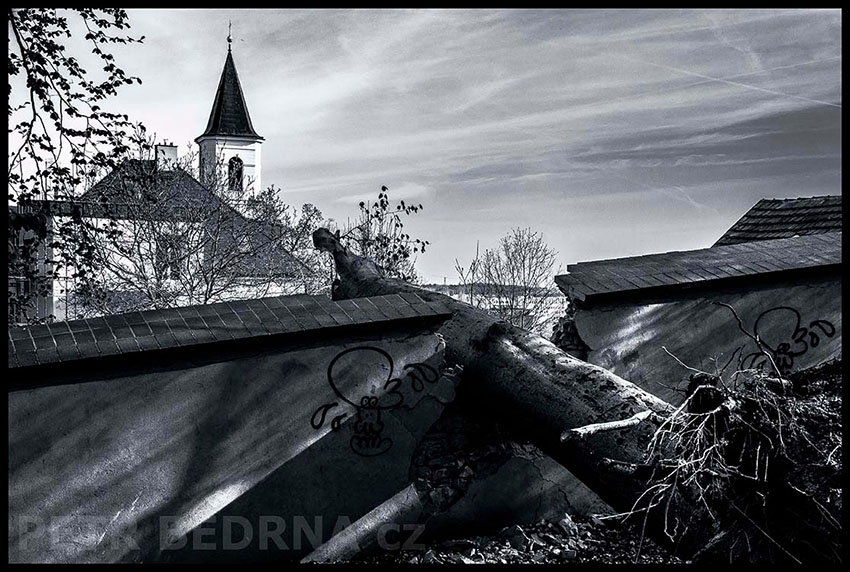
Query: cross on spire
{"x":229,"y":38}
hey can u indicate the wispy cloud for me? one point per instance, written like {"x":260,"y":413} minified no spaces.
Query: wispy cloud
{"x":568,"y":121}
{"x":403,"y":192}
{"x":733,"y":83}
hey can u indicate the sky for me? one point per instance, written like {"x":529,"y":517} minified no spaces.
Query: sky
{"x":613,"y":133}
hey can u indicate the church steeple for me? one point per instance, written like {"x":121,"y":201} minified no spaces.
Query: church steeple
{"x":229,"y":115}
{"x":229,"y":146}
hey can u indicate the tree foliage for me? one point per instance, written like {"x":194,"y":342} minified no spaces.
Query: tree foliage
{"x":60,"y":135}
{"x":515,"y":281}
{"x":174,"y":242}
{"x":378,"y":233}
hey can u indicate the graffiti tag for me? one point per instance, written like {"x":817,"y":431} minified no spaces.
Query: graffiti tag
{"x":796,"y":341}
{"x":369,"y":439}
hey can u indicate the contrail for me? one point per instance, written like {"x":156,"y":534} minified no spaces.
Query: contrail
{"x":668,"y":191}
{"x":696,"y":83}
{"x":717,"y":29}
{"x":758,"y":72}
{"x":789,"y":66}
{"x":726,"y":81}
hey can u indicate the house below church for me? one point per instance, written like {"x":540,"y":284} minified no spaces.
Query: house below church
{"x":176,"y":229}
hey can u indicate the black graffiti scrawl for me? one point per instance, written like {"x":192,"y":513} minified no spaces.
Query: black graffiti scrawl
{"x":783,"y":335}
{"x":368,"y":438}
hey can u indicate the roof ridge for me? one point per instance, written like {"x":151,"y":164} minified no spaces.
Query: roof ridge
{"x":142,"y":330}
{"x":801,"y":198}
{"x":677,"y":268}
{"x":750,"y":245}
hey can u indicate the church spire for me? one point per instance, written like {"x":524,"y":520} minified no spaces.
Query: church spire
{"x":229,"y":115}
{"x":229,"y":148}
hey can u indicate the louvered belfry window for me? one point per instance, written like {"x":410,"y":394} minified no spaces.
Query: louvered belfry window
{"x":234,"y":173}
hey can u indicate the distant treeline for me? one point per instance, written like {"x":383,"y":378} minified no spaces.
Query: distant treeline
{"x":484,"y":288}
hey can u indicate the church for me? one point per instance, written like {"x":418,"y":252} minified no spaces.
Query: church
{"x":229,"y":138}
{"x":205,"y":244}
{"x":229,"y":149}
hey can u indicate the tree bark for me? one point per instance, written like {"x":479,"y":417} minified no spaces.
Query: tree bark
{"x":548,"y":397}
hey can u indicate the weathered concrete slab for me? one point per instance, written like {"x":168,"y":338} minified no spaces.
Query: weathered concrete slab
{"x":173,"y":457}
{"x":800,"y":322}
{"x":179,"y":444}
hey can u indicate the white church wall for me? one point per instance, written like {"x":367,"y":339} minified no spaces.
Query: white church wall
{"x":216,"y":152}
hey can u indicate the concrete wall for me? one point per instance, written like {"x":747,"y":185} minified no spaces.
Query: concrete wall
{"x":100,"y":470}
{"x":800,"y":321}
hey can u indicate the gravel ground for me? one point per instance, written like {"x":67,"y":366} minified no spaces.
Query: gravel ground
{"x":575,"y":539}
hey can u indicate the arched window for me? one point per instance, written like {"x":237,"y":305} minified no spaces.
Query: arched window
{"x":234,"y":174}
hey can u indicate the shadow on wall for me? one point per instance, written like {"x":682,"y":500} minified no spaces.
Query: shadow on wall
{"x":800,"y":325}
{"x":93,"y":466}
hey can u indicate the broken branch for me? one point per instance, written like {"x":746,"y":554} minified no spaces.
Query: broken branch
{"x":594,"y":428}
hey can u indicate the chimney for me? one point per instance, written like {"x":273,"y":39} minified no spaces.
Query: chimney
{"x":166,"y":156}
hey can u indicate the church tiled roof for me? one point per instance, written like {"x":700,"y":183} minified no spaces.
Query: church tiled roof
{"x":229,"y":115}
{"x":139,"y":190}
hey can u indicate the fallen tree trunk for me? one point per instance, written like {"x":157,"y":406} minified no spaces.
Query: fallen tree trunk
{"x":597,"y":425}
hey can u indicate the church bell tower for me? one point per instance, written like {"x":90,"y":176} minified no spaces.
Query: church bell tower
{"x":229,"y":148}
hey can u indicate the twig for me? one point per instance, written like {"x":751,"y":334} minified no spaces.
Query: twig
{"x":755,"y":338}
{"x":671,"y":388}
{"x":681,"y":363}
{"x":829,"y":458}
{"x":828,"y":515}
{"x":766,"y":535}
{"x":732,"y":357}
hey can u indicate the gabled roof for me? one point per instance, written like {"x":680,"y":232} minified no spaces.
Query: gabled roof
{"x":784,"y":218}
{"x":138,"y":189}
{"x":151,"y":330}
{"x":140,"y":179}
{"x":675,"y":269}
{"x":229,"y":115}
